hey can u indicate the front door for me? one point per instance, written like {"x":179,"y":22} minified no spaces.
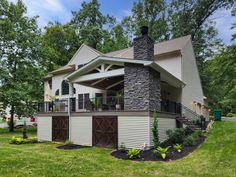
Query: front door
{"x":105,"y":131}
{"x":60,"y":128}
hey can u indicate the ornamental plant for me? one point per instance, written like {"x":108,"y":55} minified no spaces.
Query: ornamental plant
{"x":156,"y":141}
{"x":133,"y":153}
{"x":177,"y":147}
{"x":162,"y":151}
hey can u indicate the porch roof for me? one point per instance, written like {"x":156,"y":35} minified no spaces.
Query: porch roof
{"x":84,"y":75}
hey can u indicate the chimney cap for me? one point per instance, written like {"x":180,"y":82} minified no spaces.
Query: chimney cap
{"x":144,"y":30}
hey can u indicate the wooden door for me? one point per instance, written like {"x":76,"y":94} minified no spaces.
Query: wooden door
{"x":105,"y":131}
{"x":60,"y":128}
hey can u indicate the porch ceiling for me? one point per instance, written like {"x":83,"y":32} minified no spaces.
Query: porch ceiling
{"x":101,"y":73}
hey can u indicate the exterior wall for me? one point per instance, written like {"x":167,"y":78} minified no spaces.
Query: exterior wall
{"x":141,"y":88}
{"x":44,"y":130}
{"x":190,"y":75}
{"x":171,"y":63}
{"x":81,"y":130}
{"x":133,"y":131}
{"x":83,"y":56}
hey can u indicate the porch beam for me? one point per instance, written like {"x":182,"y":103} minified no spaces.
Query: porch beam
{"x":108,"y":67}
{"x":113,"y":85}
{"x":97,"y":82}
{"x":103,"y":75}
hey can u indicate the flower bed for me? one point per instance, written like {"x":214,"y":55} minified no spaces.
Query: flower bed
{"x":149,"y":155}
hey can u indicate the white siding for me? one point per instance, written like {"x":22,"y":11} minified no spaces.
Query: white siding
{"x":133,"y":131}
{"x":163,"y":125}
{"x":81,"y":130}
{"x":193,"y":89}
{"x":44,"y":130}
{"x":171,"y":63}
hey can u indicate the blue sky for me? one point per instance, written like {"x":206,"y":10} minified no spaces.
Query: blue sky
{"x":60,"y":10}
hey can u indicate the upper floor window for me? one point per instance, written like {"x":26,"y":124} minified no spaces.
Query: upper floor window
{"x":64,"y":88}
{"x":50,"y":84}
{"x":57,"y":92}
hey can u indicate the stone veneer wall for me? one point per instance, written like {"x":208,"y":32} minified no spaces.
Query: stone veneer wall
{"x":141,"y":88}
{"x":144,"y":48}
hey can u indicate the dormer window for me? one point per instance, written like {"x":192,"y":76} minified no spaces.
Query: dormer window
{"x":64,"y":88}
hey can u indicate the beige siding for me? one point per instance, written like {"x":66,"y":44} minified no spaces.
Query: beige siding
{"x":81,"y":130}
{"x":133,"y":131}
{"x":190,"y":75}
{"x":164,"y":124}
{"x":44,"y":128}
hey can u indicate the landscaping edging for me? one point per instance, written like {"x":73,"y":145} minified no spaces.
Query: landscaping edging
{"x":148,"y":155}
{"x":71,"y":146}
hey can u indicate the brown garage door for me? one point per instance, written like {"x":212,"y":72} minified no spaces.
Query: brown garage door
{"x":105,"y":131}
{"x":60,"y":128}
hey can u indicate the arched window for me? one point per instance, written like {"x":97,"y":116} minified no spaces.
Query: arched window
{"x":64,"y":88}
{"x":57,"y":92}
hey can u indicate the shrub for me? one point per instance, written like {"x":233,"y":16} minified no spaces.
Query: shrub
{"x":15,"y":140}
{"x":133,"y":153}
{"x":230,"y":115}
{"x":178,"y":147}
{"x":189,"y":141}
{"x":122,"y":147}
{"x":156,"y":141}
{"x":188,"y":131}
{"x":162,"y":151}
{"x":68,"y":142}
{"x":176,"y":135}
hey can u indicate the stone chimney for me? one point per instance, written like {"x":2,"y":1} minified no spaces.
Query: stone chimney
{"x":142,"y":91}
{"x":144,"y":46}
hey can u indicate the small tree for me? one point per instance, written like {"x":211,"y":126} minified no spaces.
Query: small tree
{"x":156,"y":141}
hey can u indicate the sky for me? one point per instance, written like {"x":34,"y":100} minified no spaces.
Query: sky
{"x":60,"y":10}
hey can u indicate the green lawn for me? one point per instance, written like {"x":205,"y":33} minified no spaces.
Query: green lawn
{"x":216,"y":157}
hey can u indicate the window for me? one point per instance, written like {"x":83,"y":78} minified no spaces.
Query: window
{"x":83,"y":98}
{"x":64,"y":88}
{"x":50,"y":84}
{"x":57,"y":92}
{"x":74,"y":90}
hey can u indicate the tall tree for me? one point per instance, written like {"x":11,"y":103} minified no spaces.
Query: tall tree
{"x":91,"y":24}
{"x":60,"y":42}
{"x":234,"y":24}
{"x":221,"y":88}
{"x":20,"y":76}
{"x":151,"y":13}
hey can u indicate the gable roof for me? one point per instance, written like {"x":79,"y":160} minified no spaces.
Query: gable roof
{"x":160,"y":48}
{"x":86,"y":46}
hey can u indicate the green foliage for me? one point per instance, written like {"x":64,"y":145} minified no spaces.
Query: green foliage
{"x":15,"y":140}
{"x":68,"y":142}
{"x":24,"y":132}
{"x":188,"y":131}
{"x":155,"y":140}
{"x":176,"y":135}
{"x":162,"y":151}
{"x":221,"y":88}
{"x":133,"y":153}
{"x":189,"y":141}
{"x":122,"y":147}
{"x":231,"y":115}
{"x":177,"y":147}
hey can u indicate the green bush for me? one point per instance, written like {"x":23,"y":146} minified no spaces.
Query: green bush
{"x":230,"y":115}
{"x":155,"y":140}
{"x":68,"y":142}
{"x":162,"y":151}
{"x":177,"y":147}
{"x":189,"y":141}
{"x":133,"y":153}
{"x":188,"y":131}
{"x":176,"y":135}
{"x":15,"y":140}
{"x":122,"y":147}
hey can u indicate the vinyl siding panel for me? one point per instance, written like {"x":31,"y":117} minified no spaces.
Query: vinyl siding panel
{"x":81,"y":130}
{"x":164,"y":124}
{"x":133,"y":131}
{"x":44,"y":130}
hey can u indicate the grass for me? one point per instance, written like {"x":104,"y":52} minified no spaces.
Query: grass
{"x":216,"y":157}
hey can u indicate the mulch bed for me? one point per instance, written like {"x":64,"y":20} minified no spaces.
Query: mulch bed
{"x":71,"y":146}
{"x":148,"y":155}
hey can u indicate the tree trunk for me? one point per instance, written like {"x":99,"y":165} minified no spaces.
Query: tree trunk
{"x":11,"y":125}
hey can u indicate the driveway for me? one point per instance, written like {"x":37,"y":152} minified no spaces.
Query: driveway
{"x":4,"y":125}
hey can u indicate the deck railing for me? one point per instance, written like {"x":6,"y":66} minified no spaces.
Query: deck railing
{"x":109,"y":103}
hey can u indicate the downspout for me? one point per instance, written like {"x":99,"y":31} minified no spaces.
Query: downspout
{"x":71,"y":94}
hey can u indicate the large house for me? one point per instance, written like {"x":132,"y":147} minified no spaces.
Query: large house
{"x":107,"y":99}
